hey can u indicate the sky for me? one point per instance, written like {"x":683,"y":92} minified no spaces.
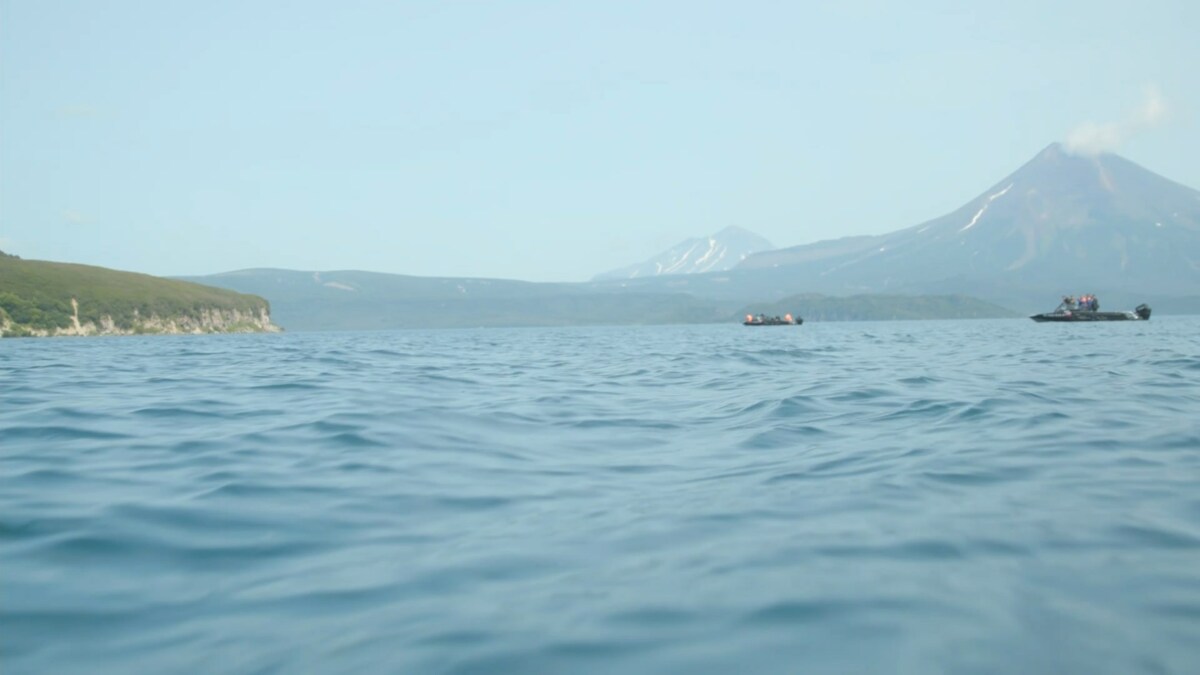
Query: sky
{"x":550,"y":141}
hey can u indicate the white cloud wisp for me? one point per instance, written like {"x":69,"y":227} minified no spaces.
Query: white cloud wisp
{"x":1091,"y":138}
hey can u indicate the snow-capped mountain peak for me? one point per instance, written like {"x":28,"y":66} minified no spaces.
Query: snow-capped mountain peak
{"x":714,"y":253}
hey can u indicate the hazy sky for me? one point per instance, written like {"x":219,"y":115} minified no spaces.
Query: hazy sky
{"x":550,"y":140}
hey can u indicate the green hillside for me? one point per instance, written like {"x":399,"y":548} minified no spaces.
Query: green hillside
{"x":814,"y":307}
{"x":36,"y":295}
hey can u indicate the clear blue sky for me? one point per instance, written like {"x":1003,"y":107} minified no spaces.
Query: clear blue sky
{"x":549,"y":140}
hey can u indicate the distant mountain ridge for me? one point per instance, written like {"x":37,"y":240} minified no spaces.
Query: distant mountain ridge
{"x":715,"y":253}
{"x":1061,"y":223}
{"x":360,"y":300}
{"x":356,"y":300}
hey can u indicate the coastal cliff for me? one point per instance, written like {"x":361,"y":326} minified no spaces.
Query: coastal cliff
{"x":203,"y":321}
{"x":49,"y":299}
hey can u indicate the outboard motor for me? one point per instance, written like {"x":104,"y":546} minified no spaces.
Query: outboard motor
{"x":1143,"y":312}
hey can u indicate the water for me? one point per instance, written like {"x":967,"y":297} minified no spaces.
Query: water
{"x":958,"y":497}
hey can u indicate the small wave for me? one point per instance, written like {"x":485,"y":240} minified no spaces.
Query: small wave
{"x":1183,"y":363}
{"x":809,"y":611}
{"x":1147,"y":536}
{"x":353,"y":439}
{"x":74,"y":413}
{"x":43,"y":476}
{"x":981,"y":477}
{"x":59,"y":433}
{"x":288,"y":386}
{"x":931,"y":550}
{"x":921,"y":380}
{"x":176,"y":412}
{"x":921,"y":410}
{"x":864,"y":394}
{"x":625,"y":423}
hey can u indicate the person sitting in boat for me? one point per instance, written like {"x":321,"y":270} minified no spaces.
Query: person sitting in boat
{"x":1068,"y":302}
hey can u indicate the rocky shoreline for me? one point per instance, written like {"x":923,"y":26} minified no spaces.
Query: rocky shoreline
{"x":204,"y":322}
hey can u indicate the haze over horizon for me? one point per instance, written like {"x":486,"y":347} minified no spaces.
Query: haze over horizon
{"x":542,"y":142}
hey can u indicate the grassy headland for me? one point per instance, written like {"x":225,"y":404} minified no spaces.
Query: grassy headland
{"x":49,"y":298}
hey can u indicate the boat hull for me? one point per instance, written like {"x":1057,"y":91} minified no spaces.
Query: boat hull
{"x":1141,"y":313}
{"x":781,"y":323}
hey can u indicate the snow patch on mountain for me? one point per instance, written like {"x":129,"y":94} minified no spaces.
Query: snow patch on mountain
{"x":715,"y":253}
{"x":986,"y":204}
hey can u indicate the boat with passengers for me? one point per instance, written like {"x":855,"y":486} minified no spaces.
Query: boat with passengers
{"x":764,"y":320}
{"x":1087,"y":308}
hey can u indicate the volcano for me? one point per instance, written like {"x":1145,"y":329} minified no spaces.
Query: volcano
{"x":1062,"y":223}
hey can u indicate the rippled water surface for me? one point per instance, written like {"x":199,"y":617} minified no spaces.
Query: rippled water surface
{"x":964,"y":497}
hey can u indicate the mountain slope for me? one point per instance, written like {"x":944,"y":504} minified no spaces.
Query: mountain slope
{"x":1061,"y":223}
{"x":716,"y":253}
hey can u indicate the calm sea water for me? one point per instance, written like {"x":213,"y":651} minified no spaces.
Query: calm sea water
{"x":924,"y":497}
